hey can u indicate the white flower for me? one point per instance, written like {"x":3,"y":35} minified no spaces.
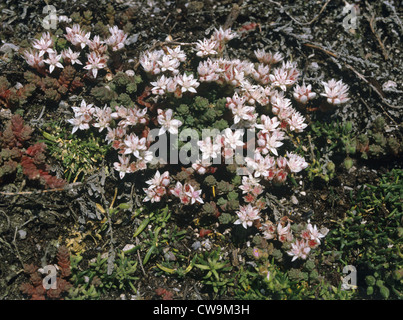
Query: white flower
{"x":188,"y":83}
{"x":285,"y":76}
{"x":53,"y":61}
{"x":284,"y":233}
{"x":117,"y":38}
{"x":210,"y":149}
{"x":296,"y":122}
{"x":247,"y":215}
{"x":335,"y":92}
{"x":168,"y":63}
{"x":160,"y":86}
{"x":295,"y":162}
{"x":221,"y":35}
{"x":315,"y":234}
{"x":77,"y":36}
{"x":303,"y":93}
{"x":34,"y":59}
{"x":159,"y":180}
{"x":177,"y":53}
{"x":123,"y":166}
{"x":44,"y":44}
{"x":72,"y":56}
{"x":194,"y":195}
{"x":79,"y":123}
{"x":134,"y":145}
{"x":268,"y":57}
{"x":206,"y":47}
{"x":268,"y":124}
{"x":167,"y":123}
{"x":85,"y":110}
{"x":262,"y":166}
{"x":299,"y":249}
{"x":95,"y":62}
{"x":102,"y":117}
{"x":232,"y":139}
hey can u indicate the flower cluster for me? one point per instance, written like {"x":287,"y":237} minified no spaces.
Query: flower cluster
{"x":160,"y":62}
{"x":132,"y":149}
{"x":300,"y":244}
{"x":44,"y":51}
{"x":187,"y":193}
{"x":159,"y":187}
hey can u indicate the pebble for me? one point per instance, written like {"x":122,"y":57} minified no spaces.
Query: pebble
{"x":22,"y":234}
{"x":294,"y":199}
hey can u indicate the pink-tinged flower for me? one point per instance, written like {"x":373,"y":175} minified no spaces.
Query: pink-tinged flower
{"x":160,"y":86}
{"x":117,"y":38}
{"x":303,"y":93}
{"x":168,"y":63}
{"x":85,"y":110}
{"x":78,"y":123}
{"x":102,"y":117}
{"x":208,"y":71}
{"x":177,"y":53}
{"x":159,"y":180}
{"x":44,"y":44}
{"x":295,"y":162}
{"x":123,"y":166}
{"x":315,"y":234}
{"x":335,"y":92}
{"x":268,"y":230}
{"x":71,"y":56}
{"x":95,"y":62}
{"x":151,"y":195}
{"x":97,"y":45}
{"x":115,"y":134}
{"x":284,"y":233}
{"x":167,"y":123}
{"x":268,"y":124}
{"x":243,"y":113}
{"x":177,"y":190}
{"x":280,"y":105}
{"x":186,"y":193}
{"x":77,"y":36}
{"x":262,"y":166}
{"x":34,"y":59}
{"x":133,"y":145}
{"x":188,"y":83}
{"x":285,"y":76}
{"x":299,"y":249}
{"x":268,"y":57}
{"x":249,"y":184}
{"x":247,"y":215}
{"x":222,"y":36}
{"x":270,"y":141}
{"x":148,"y":61}
{"x":194,"y":195}
{"x":206,"y":47}
{"x":261,"y":74}
{"x":53,"y":61}
{"x":296,"y":122}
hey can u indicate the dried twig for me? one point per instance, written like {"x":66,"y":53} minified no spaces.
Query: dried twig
{"x":296,"y":20}
{"x":372,"y":26}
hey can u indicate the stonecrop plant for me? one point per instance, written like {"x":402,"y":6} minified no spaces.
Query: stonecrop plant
{"x":259,"y":111}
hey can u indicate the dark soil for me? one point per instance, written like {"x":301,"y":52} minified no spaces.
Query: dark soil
{"x":311,"y":32}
